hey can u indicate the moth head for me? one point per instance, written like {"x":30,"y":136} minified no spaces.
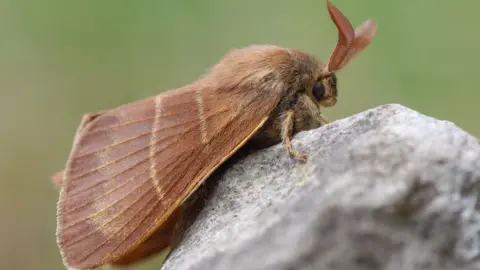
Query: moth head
{"x":350,"y":43}
{"x":323,"y":90}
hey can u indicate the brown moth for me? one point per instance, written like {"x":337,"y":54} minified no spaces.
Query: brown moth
{"x":132,"y":168}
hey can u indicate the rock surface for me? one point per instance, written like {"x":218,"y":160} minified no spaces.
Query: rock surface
{"x":388,"y":188}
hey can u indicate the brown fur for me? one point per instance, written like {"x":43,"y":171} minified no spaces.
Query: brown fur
{"x":299,"y":73}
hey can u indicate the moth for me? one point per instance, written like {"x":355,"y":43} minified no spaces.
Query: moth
{"x":131,"y":168}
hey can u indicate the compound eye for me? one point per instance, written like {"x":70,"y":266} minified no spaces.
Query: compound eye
{"x":318,"y":90}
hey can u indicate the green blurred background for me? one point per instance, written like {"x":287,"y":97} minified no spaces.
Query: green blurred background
{"x":60,"y":59}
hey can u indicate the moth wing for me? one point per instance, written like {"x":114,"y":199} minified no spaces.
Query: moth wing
{"x":159,"y":241}
{"x":57,"y":178}
{"x":131,"y":167}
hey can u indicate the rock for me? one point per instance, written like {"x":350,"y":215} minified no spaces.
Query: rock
{"x":388,"y":188}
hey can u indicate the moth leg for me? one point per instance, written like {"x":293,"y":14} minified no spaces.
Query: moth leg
{"x":313,"y":110}
{"x":286,"y":133}
{"x":322,"y":119}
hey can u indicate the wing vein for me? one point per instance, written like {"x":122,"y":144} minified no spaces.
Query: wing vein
{"x":129,"y":154}
{"x":134,"y":122}
{"x":97,"y":229}
{"x":108,"y":206}
{"x":131,"y":139}
{"x":120,"y":173}
{"x":117,"y":231}
{"x":191,"y":158}
{"x":170,"y":168}
{"x":104,"y":195}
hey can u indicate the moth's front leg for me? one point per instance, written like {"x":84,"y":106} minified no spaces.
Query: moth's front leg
{"x":286,"y":133}
{"x":313,"y":110}
{"x":322,"y":118}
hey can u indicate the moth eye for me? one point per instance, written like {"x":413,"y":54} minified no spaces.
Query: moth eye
{"x":318,"y":90}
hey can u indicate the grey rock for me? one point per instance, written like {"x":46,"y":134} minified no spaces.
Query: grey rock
{"x":388,"y":188}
